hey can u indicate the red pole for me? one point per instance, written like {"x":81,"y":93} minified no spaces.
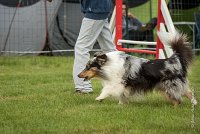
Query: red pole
{"x":160,"y":19}
{"x":119,"y":32}
{"x":118,"y":23}
{"x":137,"y":50}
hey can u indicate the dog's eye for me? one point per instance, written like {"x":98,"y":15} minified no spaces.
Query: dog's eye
{"x":88,"y":67}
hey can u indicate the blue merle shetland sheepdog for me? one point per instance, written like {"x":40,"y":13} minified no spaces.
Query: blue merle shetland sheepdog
{"x":124,"y":76}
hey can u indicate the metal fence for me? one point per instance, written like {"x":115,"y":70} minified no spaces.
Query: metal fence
{"x":40,"y":26}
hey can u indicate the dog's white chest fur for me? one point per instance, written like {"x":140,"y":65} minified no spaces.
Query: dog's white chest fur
{"x":114,"y":68}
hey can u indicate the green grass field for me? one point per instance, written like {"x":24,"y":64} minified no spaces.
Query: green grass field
{"x":37,"y":96}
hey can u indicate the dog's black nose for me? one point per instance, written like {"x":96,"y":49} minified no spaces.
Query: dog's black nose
{"x":78,"y":75}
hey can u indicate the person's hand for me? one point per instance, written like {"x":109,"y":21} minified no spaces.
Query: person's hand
{"x":131,"y":15}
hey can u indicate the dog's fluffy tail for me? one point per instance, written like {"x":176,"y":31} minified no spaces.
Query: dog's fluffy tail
{"x":178,"y":44}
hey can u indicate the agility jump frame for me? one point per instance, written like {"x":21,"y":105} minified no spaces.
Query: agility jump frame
{"x":163,"y":18}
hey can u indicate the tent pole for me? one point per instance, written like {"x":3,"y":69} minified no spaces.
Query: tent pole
{"x":10,"y":26}
{"x":47,"y":43}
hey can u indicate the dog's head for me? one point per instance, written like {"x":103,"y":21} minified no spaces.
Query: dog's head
{"x":93,"y":67}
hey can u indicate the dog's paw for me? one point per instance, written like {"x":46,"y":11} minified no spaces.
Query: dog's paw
{"x":121,"y":103}
{"x":194,"y":101}
{"x":99,"y":99}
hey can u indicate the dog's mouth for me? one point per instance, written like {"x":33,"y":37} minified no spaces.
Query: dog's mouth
{"x":86,"y":78}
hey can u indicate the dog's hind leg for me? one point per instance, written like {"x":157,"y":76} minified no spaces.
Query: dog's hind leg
{"x":175,"y":102}
{"x":168,"y":97}
{"x":189,"y":95}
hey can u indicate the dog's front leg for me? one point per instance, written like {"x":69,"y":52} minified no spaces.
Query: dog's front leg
{"x":104,"y":94}
{"x":123,"y":99}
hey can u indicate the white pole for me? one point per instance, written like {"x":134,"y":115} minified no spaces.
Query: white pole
{"x":136,"y":42}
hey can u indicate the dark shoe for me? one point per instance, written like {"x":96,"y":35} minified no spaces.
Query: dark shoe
{"x":77,"y":91}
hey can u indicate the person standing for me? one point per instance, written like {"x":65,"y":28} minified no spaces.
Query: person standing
{"x":94,"y":27}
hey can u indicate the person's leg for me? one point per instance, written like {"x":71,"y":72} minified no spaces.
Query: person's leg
{"x":89,"y":32}
{"x":105,"y":39}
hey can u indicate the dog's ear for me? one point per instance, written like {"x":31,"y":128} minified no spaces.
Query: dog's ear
{"x":101,"y":58}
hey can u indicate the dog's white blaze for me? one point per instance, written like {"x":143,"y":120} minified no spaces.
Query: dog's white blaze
{"x":114,"y":67}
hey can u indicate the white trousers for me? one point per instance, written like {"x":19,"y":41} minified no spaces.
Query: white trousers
{"x":91,"y":30}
